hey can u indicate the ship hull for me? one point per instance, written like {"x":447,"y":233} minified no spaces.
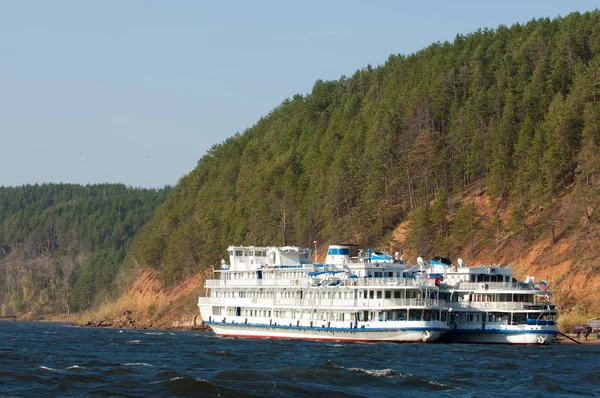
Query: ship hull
{"x":501,"y":336}
{"x":423,"y":335}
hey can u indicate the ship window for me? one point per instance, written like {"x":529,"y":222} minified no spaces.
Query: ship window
{"x":338,"y":251}
{"x":245,"y":253}
{"x":379,"y":293}
{"x":230,"y":252}
{"x":397,"y":294}
{"x":251,"y":253}
{"x":371,"y":294}
{"x":388,"y":294}
{"x":238,"y":253}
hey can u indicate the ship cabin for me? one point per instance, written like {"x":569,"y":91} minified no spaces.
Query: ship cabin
{"x":369,"y":264}
{"x":246,"y":258}
{"x":477,"y":274}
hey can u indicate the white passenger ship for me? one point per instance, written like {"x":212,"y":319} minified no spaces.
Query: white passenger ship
{"x":276,"y":292}
{"x":489,"y":306}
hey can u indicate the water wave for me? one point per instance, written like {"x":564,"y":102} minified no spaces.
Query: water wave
{"x":134,"y":341}
{"x":167,"y":380}
{"x":506,"y":366}
{"x":375,"y":372}
{"x":49,"y":369}
{"x":423,"y":383}
{"x":192,"y":386}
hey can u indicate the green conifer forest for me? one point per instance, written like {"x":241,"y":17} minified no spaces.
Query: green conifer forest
{"x":62,"y":245}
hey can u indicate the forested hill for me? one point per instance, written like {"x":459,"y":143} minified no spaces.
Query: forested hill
{"x":511,"y":112}
{"x":62,"y":245}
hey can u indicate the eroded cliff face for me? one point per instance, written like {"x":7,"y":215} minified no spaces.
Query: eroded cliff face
{"x":570,"y":264}
{"x":147,"y":304}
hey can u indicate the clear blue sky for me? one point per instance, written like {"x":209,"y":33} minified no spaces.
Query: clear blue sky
{"x":137,"y":91}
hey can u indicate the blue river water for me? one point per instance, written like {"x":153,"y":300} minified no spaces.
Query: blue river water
{"x":50,"y":359}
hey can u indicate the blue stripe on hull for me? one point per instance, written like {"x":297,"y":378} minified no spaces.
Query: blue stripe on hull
{"x":316,"y":328}
{"x":504,"y":331}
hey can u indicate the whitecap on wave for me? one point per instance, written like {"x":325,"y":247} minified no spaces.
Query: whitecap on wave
{"x":48,"y":369}
{"x":438,"y":384}
{"x":138,"y":364}
{"x":171,"y":379}
{"x":375,"y":372}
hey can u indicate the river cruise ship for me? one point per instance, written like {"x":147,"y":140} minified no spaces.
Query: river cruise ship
{"x":277,"y":292}
{"x":488,"y":305}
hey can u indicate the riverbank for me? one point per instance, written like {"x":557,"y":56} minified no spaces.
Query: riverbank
{"x":592,"y":340}
{"x":126,"y":321}
{"x":62,"y":318}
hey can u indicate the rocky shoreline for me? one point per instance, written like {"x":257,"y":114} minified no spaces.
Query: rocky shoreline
{"x":129,"y":321}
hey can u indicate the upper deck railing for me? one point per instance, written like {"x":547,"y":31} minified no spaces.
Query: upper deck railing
{"x":323,"y":303}
{"x":496,"y":286}
{"x":501,"y":306}
{"x":305,"y":282}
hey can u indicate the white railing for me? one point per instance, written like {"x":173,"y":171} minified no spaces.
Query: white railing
{"x":495,"y":286}
{"x":321,"y":303}
{"x":390,"y":282}
{"x":210,"y":283}
{"x":500,"y":306}
{"x":304,"y":282}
